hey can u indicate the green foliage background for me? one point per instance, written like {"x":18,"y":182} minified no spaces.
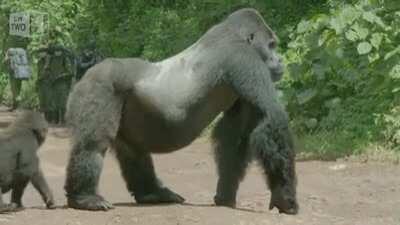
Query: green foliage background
{"x":344,"y":81}
{"x":343,"y":57}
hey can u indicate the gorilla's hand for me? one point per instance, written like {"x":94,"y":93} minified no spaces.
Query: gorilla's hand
{"x":283,"y":199}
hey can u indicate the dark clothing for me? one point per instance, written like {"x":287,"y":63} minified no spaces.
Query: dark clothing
{"x":55,"y":73}
{"x":86,"y":60}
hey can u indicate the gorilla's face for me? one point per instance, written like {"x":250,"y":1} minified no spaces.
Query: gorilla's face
{"x":39,"y":127}
{"x":265,"y":43}
{"x":40,"y":135}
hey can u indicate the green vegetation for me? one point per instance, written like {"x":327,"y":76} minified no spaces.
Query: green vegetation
{"x":344,"y":77}
{"x":342,"y":87}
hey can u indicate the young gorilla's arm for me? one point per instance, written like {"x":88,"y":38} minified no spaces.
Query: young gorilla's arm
{"x":33,"y":173}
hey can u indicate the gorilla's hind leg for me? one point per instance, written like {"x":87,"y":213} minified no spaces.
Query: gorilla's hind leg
{"x":138,"y":171}
{"x":83,"y":173}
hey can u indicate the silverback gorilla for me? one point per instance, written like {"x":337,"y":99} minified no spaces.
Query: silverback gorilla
{"x":138,"y":108}
{"x":19,"y":163}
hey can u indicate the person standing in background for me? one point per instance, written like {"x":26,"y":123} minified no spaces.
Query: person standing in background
{"x":89,"y":57}
{"x":17,"y":66}
{"x":56,"y":66}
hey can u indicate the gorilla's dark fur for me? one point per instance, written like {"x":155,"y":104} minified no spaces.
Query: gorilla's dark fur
{"x":138,"y":108}
{"x":19,"y":163}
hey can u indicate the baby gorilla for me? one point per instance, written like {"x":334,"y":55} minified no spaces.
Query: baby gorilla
{"x":19,"y":163}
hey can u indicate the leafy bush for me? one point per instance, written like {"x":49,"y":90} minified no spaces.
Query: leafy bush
{"x":344,"y":69}
{"x":27,"y":98}
{"x":3,"y":84}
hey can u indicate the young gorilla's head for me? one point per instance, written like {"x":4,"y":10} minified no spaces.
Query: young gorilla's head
{"x":33,"y":121}
{"x":252,"y":28}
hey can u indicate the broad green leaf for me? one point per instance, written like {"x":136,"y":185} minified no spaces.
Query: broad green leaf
{"x":332,"y":103}
{"x":373,"y":18}
{"x":395,"y":72}
{"x":396,"y":89}
{"x":376,"y":40}
{"x":373,"y":57}
{"x":337,"y":24}
{"x":364,"y":48}
{"x":339,"y":52}
{"x":324,"y":37}
{"x":311,"y":123}
{"x":392,"y":53}
{"x":295,"y":70}
{"x":306,"y":96}
{"x":319,"y":71}
{"x":349,"y":15}
{"x":362,"y":32}
{"x":351,"y":35}
{"x":321,"y":21}
{"x":303,"y":27}
{"x":369,"y":16}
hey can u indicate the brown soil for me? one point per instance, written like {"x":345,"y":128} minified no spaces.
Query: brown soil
{"x":329,"y":193}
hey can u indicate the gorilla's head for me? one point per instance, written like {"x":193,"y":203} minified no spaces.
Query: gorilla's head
{"x":39,"y":126}
{"x":251,"y":28}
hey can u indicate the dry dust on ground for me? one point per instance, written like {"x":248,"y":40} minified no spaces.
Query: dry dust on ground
{"x":329,"y":193}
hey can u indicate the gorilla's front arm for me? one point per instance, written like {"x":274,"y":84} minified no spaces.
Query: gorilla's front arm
{"x":269,"y":137}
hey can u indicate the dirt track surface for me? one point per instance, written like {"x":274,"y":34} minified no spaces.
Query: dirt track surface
{"x":329,"y":193}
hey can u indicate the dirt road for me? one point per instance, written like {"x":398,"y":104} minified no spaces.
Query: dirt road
{"x":329,"y":193}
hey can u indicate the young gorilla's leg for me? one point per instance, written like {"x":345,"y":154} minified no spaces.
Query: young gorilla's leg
{"x":83,"y":173}
{"x":2,"y":205}
{"x":18,"y":191}
{"x":230,"y":137}
{"x":40,"y":184}
{"x":138,"y":171}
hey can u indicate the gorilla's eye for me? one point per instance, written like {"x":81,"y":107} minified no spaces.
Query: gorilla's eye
{"x":251,"y":37}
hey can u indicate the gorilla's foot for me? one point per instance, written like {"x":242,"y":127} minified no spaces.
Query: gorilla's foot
{"x":223,"y":201}
{"x":89,"y":202}
{"x":162,"y":195}
{"x":12,"y":207}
